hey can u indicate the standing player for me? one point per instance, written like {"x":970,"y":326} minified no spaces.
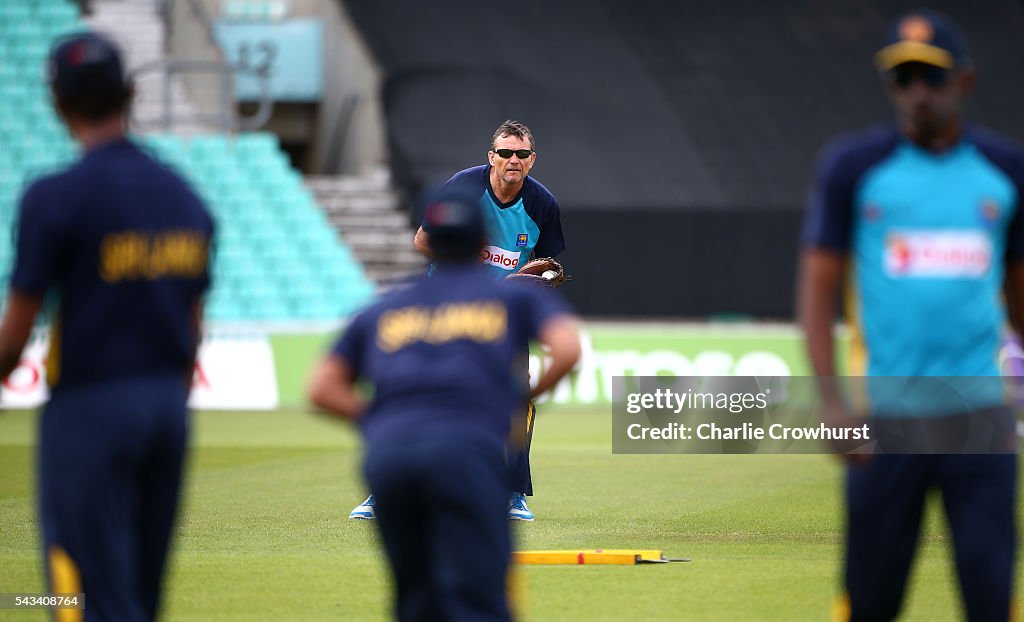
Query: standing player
{"x":523,"y":220}
{"x":923,"y":222}
{"x":123,"y":245}
{"x":445,"y":358}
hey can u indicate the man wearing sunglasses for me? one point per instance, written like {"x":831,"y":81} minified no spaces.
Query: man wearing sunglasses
{"x":523,"y":218}
{"x":922,"y":224}
{"x":523,"y":221}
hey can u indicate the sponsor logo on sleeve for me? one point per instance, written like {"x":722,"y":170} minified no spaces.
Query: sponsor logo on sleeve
{"x":937,"y":254}
{"x":990,"y":211}
{"x":501,"y":258}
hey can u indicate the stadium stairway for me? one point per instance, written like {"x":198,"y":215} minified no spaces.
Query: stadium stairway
{"x":138,"y":29}
{"x":366,"y":213}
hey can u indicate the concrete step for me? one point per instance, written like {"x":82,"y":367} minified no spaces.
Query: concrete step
{"x":370,"y":220}
{"x":385,"y":276}
{"x":377,"y":181}
{"x":359,"y":239}
{"x":376,"y":202}
{"x":355,"y":192}
{"x":406,"y":265}
{"x":394,"y":256}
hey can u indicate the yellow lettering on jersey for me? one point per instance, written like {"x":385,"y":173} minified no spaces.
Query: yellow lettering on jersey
{"x":482,"y":322}
{"x":399,"y":327}
{"x":137,"y":255}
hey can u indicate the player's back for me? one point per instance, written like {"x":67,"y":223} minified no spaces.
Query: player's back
{"x":449,"y":351}
{"x":126,"y":243}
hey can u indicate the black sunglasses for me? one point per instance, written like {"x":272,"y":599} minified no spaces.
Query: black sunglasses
{"x":905,"y":75}
{"x":522,"y":154}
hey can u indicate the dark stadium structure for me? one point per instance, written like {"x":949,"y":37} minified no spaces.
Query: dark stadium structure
{"x":679,"y":137}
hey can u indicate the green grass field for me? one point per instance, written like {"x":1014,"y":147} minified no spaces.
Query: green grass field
{"x":263,"y":533}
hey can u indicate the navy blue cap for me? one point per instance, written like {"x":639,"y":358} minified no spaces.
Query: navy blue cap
{"x":924,"y":37}
{"x":453,"y":220}
{"x":86,"y":62}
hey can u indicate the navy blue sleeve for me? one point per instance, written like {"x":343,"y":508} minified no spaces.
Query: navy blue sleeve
{"x":469,"y":182}
{"x":540,"y":305}
{"x":830,"y":208}
{"x":548,"y":217}
{"x":352,"y":346}
{"x":1009,"y":158}
{"x":829,"y":218}
{"x":39,"y":243}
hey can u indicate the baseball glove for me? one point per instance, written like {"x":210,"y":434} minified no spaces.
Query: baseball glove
{"x":542,"y":271}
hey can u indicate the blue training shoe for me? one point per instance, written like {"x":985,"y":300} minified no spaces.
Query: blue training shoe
{"x":365,"y":510}
{"x":517,"y":509}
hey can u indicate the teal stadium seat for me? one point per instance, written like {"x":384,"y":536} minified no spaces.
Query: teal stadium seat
{"x":8,"y":70}
{"x":57,"y":15}
{"x":35,"y":51}
{"x":268,"y":261}
{"x":16,"y":13}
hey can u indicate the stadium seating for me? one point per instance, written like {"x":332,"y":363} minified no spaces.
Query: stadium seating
{"x":276,"y":258}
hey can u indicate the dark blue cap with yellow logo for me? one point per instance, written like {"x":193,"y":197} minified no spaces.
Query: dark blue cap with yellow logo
{"x":924,"y":37}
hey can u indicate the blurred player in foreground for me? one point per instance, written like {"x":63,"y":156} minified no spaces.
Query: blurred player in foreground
{"x":923,"y":221}
{"x":445,"y":358}
{"x":123,"y":244}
